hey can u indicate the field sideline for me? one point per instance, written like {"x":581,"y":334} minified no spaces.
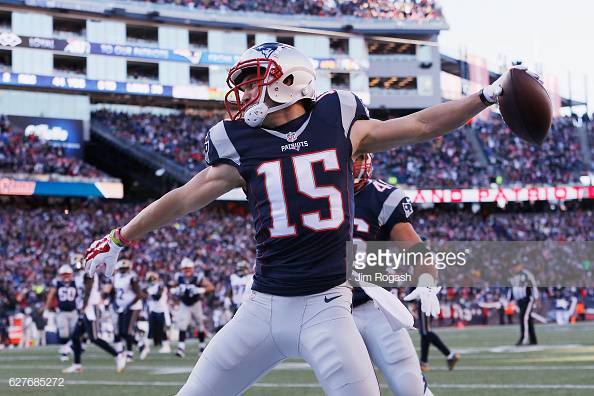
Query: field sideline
{"x":563,"y":364}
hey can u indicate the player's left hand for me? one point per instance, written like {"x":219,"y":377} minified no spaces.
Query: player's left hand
{"x":494,"y":91}
{"x":102,"y":251}
{"x":429,"y":301}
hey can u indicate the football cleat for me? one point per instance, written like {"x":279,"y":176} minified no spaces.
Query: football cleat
{"x":180,"y":353}
{"x":74,"y":369}
{"x":165,"y":349}
{"x":129,"y":357}
{"x":453,"y":360}
{"x":120,"y":362}
{"x":144,"y":352}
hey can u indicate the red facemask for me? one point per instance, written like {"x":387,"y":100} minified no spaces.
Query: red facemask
{"x":362,"y":169}
{"x":267,"y":72}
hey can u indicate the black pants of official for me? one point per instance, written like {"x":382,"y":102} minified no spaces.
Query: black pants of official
{"x":428,"y":337}
{"x":157,"y":328}
{"x":527,"y":334}
{"x":89,"y":327}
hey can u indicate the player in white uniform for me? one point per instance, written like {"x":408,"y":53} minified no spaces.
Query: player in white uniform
{"x":87,"y":323}
{"x":292,"y":153}
{"x":64,"y":288}
{"x":128,"y":303}
{"x":241,"y":283}
{"x":190,"y":289}
{"x":159,"y":318}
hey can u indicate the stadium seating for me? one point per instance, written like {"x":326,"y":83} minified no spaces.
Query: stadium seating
{"x":451,"y":162}
{"x":24,"y":154}
{"x":379,"y":9}
{"x":179,"y":137}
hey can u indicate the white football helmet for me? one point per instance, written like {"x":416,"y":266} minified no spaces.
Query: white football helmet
{"x":186,"y":263}
{"x":273,"y":64}
{"x":65,"y":269}
{"x":123,"y":264}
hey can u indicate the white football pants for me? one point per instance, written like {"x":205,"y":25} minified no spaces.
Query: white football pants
{"x":391,"y":351}
{"x":66,"y":321}
{"x":268,"y":329}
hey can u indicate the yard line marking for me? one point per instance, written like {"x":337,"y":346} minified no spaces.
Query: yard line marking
{"x":310,"y":385}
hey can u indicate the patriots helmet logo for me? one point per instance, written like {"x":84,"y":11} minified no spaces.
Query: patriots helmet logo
{"x":267,"y":48}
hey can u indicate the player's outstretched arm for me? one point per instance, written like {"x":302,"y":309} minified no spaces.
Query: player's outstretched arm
{"x":204,"y":188}
{"x":369,"y":136}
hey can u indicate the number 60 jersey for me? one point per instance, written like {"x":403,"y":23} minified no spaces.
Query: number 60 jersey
{"x":300,"y":192}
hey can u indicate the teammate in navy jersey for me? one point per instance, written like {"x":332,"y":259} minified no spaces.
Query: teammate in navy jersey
{"x":90,"y":298}
{"x":190,"y":289}
{"x":382,"y":213}
{"x":64,"y":288}
{"x":292,"y":154}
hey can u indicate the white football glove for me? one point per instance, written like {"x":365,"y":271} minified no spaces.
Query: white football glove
{"x":429,"y":301}
{"x":494,"y":91}
{"x":103,"y":251}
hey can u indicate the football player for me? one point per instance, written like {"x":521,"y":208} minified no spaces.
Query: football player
{"x":382,"y":213}
{"x":190,"y":289}
{"x":87,"y":324}
{"x":64,"y":288}
{"x":291,"y":152}
{"x":241,"y":282}
{"x":158,"y":314}
{"x":128,"y":303}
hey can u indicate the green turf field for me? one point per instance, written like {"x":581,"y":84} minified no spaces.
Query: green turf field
{"x":563,"y":364}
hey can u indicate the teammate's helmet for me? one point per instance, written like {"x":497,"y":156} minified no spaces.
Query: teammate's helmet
{"x":186,"y":263}
{"x":152,"y":277}
{"x":65,"y":269}
{"x":362,"y":170}
{"x":242,"y":265}
{"x":282,"y":72}
{"x":123,"y":264}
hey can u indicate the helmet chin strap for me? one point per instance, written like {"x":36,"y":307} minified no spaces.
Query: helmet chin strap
{"x":255,"y":115}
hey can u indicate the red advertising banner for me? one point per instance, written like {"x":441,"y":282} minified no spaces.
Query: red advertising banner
{"x":502,"y":195}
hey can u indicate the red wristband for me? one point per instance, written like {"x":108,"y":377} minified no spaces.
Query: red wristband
{"x":118,"y":235}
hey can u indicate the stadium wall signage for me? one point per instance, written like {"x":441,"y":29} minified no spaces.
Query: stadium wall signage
{"x":59,"y":132}
{"x":10,"y":186}
{"x":479,"y":195}
{"x":502,"y":195}
{"x":193,"y":57}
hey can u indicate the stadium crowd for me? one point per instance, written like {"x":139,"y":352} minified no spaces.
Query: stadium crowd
{"x":377,"y":9}
{"x":558,"y":160}
{"x":451,"y":161}
{"x":178,"y":137}
{"x":20,"y":153}
{"x":38,"y":239}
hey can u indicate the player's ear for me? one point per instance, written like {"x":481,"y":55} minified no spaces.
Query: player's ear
{"x":288,"y":81}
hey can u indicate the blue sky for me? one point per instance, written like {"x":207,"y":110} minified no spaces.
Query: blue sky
{"x":552,"y":37}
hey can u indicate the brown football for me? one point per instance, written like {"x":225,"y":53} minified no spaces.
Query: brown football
{"x":525,"y":106}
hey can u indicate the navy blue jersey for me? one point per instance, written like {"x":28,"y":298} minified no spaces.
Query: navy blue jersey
{"x":187,"y":289}
{"x":66,"y":293}
{"x":299,"y":186}
{"x":379,"y":206}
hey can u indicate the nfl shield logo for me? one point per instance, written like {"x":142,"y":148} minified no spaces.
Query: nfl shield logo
{"x":291,"y":137}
